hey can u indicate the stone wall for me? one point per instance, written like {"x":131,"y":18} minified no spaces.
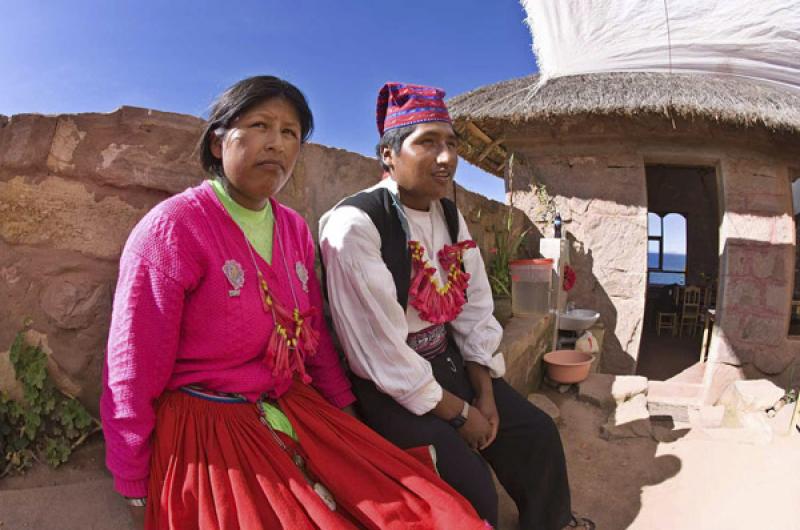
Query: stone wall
{"x":73,"y":186}
{"x":525,"y":341}
{"x":594,"y":169}
{"x":758,"y":235}
{"x":601,"y":195}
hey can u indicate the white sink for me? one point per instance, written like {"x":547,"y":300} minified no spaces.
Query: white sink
{"x":577,"y":319}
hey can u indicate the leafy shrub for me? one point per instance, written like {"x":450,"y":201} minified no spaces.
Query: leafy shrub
{"x":46,"y":425}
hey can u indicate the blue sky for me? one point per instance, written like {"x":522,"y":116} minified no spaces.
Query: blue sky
{"x":79,"y":56}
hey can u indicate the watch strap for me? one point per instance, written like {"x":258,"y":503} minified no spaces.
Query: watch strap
{"x":458,"y":421}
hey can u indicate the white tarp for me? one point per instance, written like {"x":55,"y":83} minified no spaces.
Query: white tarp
{"x":753,"y":38}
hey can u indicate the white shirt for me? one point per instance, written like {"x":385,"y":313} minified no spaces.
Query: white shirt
{"x":371,"y":323}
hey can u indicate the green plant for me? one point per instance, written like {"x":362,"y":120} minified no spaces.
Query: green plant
{"x":506,"y":248}
{"x":46,"y":425}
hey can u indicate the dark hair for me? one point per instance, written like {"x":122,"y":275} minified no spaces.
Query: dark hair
{"x":240,"y":98}
{"x":393,"y":139}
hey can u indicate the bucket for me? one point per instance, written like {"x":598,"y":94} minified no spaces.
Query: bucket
{"x":531,"y":280}
{"x":568,"y":366}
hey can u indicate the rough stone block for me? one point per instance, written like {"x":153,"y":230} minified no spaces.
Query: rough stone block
{"x":25,"y":142}
{"x":766,"y":203}
{"x":750,"y":396}
{"x":525,"y":340}
{"x":673,"y":400}
{"x":8,"y":379}
{"x":667,"y":431}
{"x":626,"y":387}
{"x":678,"y":411}
{"x":75,"y":302}
{"x":755,"y":227}
{"x":596,"y":389}
{"x":62,"y":214}
{"x":767,"y":331}
{"x":754,"y":430}
{"x":742,"y":292}
{"x":726,"y":351}
{"x":773,"y":360}
{"x":737,"y":260}
{"x":770,"y":263}
{"x":629,"y":420}
{"x":65,"y":141}
{"x":781,"y":422}
{"x":131,"y":147}
{"x":707,"y":416}
{"x":777,"y":298}
{"x":545,"y":404}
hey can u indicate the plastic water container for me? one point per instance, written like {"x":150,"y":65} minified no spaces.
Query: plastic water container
{"x":531,"y":280}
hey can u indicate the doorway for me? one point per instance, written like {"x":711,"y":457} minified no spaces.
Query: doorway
{"x":683,"y":268}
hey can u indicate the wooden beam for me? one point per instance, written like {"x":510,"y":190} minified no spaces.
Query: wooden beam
{"x":489,"y":148}
{"x":471,"y":127}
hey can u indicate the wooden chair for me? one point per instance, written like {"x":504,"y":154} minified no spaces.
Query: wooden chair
{"x":667,"y":321}
{"x":677,"y":291}
{"x":690,"y":309}
{"x":706,"y":298}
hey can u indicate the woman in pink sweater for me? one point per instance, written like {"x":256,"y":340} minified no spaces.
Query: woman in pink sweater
{"x":225,"y":404}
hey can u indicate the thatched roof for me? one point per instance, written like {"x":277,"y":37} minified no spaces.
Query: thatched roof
{"x":725,"y":99}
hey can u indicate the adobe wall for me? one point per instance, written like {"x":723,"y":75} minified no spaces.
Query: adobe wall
{"x":73,"y":186}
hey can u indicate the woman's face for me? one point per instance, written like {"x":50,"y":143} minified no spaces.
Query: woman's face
{"x":259,"y":151}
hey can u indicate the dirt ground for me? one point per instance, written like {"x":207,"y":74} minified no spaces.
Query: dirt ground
{"x":693,"y":483}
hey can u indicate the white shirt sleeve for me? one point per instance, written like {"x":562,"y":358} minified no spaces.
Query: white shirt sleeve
{"x":476,"y":332}
{"x":370,"y":322}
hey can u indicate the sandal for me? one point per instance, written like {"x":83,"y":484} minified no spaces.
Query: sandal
{"x":581,"y":522}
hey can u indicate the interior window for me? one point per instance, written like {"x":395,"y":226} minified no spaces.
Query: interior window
{"x":666,"y":248}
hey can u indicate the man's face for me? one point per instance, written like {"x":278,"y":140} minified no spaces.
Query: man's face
{"x":425,"y":165}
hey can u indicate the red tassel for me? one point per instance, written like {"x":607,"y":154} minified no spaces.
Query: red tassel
{"x":278,"y":353}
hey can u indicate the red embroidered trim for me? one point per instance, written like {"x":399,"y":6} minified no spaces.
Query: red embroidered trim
{"x":292,"y":335}
{"x":439,"y":304}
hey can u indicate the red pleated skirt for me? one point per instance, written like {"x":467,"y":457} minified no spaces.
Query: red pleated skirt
{"x":216,"y":466}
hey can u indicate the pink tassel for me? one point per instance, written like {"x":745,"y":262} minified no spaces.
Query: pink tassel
{"x":308,"y":336}
{"x":301,"y":368}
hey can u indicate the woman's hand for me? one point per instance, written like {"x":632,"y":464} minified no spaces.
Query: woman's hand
{"x":488,"y":408}
{"x":476,"y":430}
{"x":138,"y":514}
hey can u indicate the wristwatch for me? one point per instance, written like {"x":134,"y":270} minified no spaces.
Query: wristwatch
{"x":458,"y":421}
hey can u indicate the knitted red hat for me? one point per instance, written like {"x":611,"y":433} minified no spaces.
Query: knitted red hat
{"x":401,"y":104}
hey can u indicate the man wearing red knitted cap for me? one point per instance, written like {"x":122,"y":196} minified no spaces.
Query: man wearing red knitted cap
{"x":412,"y":307}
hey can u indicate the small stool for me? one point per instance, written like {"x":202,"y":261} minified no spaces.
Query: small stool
{"x":667,"y":321}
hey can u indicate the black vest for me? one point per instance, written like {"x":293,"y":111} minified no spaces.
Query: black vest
{"x":380,"y":205}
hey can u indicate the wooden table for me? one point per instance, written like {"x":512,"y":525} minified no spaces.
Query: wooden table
{"x":711,"y":316}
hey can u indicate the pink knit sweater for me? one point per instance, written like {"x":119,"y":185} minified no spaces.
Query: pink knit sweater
{"x":174,"y":322}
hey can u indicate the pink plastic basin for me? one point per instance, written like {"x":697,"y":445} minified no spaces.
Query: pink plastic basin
{"x":568,"y":366}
